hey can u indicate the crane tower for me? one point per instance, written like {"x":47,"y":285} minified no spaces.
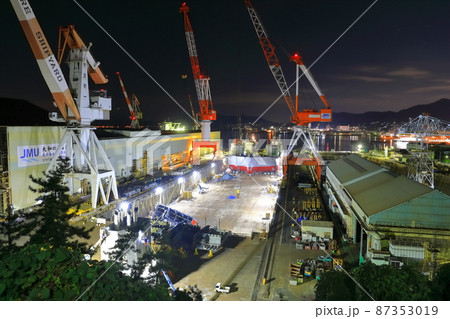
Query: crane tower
{"x":300,"y":118}
{"x":207,"y":114}
{"x":78,"y":106}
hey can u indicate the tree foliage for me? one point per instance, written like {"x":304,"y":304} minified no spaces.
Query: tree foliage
{"x":53,"y":267}
{"x":38,"y":272}
{"x":383,"y":283}
{"x":441,"y":284}
{"x":10,"y":230}
{"x":49,"y":221}
{"x":391,"y":284}
{"x":150,"y":262}
{"x":335,"y":286}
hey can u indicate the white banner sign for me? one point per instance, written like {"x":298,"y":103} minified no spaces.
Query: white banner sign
{"x":37,"y":154}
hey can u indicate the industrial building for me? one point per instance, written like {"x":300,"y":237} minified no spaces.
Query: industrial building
{"x":394,"y":219}
{"x":28,"y":150}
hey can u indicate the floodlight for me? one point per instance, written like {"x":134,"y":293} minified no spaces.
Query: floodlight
{"x":124,"y":206}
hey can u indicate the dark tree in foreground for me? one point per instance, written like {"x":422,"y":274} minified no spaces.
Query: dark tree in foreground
{"x":382,"y":283}
{"x":386,"y":283}
{"x":335,"y":286}
{"x":42,"y":272}
{"x":150,"y":263}
{"x":49,"y":221}
{"x":441,"y":284}
{"x":10,"y":231}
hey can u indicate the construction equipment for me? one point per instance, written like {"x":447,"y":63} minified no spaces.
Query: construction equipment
{"x":133,"y":106}
{"x":207,"y":114}
{"x":78,"y":106}
{"x":300,"y":118}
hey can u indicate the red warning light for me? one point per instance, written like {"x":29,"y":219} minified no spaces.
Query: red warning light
{"x":133,"y":118}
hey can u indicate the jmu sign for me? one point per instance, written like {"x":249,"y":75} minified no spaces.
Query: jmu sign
{"x":31,"y":155}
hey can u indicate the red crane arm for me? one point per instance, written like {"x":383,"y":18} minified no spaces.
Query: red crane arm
{"x":124,"y":91}
{"x":201,"y":81}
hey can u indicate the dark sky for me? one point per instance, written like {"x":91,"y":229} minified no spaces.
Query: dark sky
{"x":394,"y":57}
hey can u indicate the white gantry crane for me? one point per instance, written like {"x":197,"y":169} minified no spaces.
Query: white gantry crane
{"x":78,"y":106}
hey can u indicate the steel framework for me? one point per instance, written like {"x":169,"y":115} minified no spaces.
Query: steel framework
{"x":423,"y":127}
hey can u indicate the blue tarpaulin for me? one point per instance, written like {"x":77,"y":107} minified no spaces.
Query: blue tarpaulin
{"x":231,"y":197}
{"x":226,"y":177}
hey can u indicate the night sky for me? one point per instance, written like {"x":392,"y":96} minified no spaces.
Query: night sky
{"x":396,"y":56}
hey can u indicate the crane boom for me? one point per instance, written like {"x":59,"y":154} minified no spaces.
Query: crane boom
{"x":133,"y":105}
{"x":48,"y":65}
{"x":271,"y":57}
{"x":300,"y":118}
{"x":201,"y":81}
{"x":298,"y":60}
{"x":69,"y":38}
{"x":305,"y":116}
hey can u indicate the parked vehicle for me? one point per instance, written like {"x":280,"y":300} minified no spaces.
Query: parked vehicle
{"x":222,"y":289}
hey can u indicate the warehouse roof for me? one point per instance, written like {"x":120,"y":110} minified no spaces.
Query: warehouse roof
{"x":374,"y":196}
{"x":389,"y":199}
{"x":352,"y":167}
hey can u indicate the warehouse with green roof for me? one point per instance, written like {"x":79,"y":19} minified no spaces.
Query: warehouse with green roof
{"x":393,"y":218}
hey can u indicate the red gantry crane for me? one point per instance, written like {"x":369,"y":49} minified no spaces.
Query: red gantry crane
{"x":207,"y":114}
{"x":133,"y":106}
{"x":300,"y":118}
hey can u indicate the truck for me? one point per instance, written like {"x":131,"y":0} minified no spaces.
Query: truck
{"x":222,"y":289}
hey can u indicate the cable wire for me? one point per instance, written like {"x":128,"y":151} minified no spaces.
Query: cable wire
{"x":134,"y":60}
{"x":320,"y":56}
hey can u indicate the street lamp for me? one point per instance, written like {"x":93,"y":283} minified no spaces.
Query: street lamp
{"x":124,"y":206}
